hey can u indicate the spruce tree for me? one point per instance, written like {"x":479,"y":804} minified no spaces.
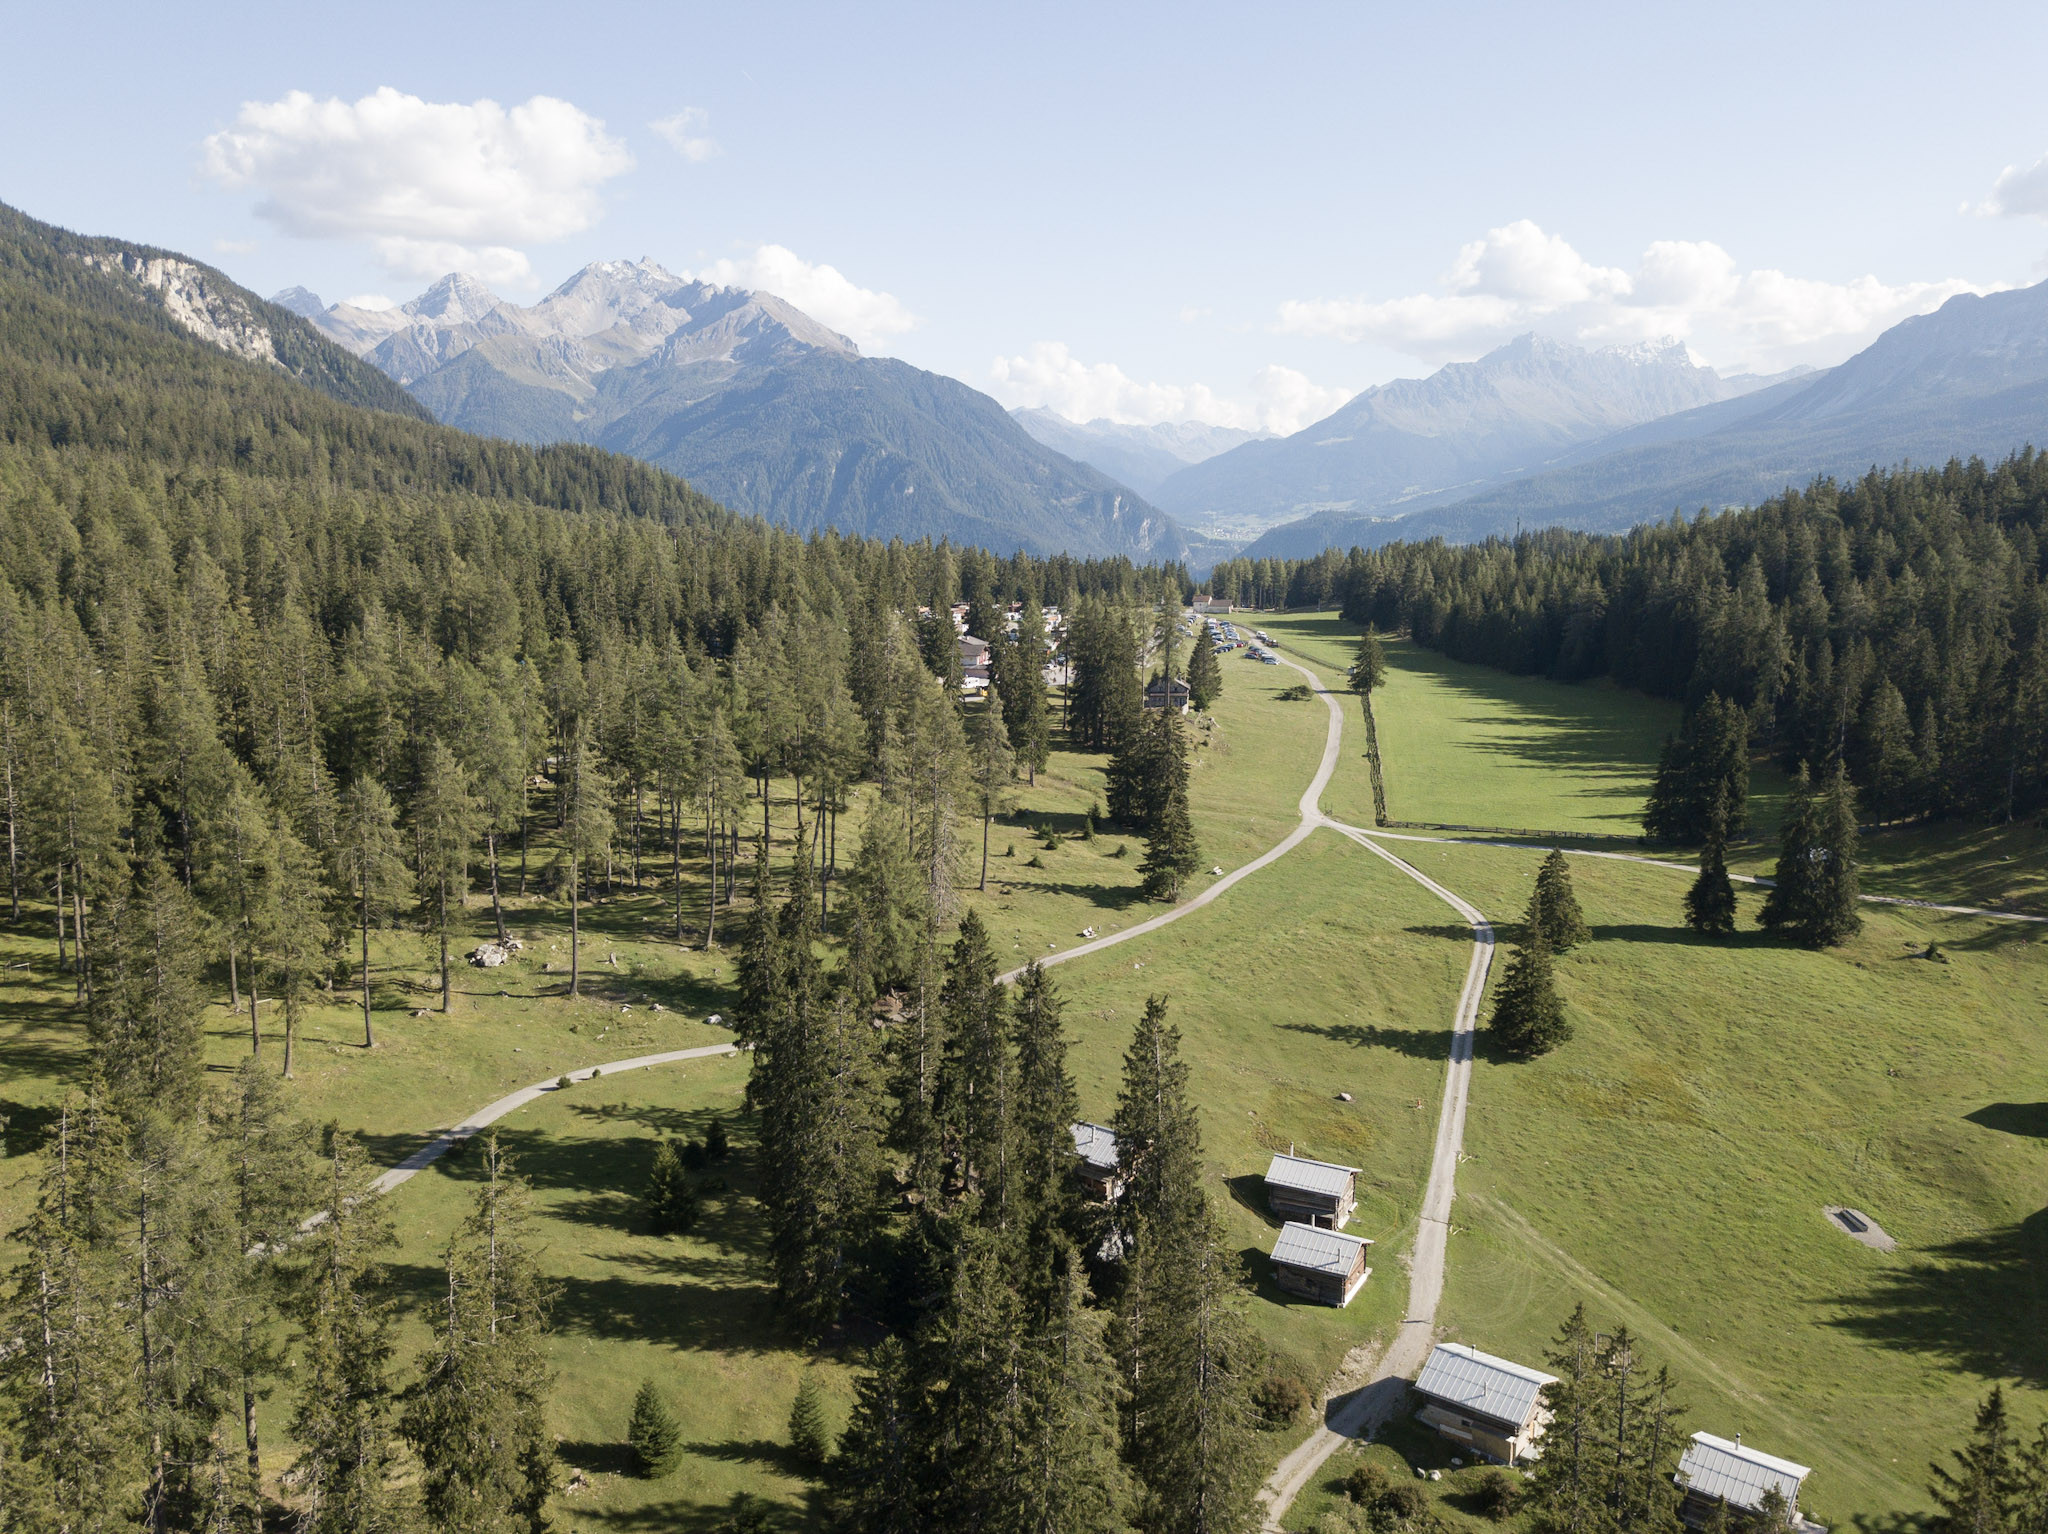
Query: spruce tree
{"x":586,"y":841}
{"x":977,"y":1081}
{"x":1528,"y":1016}
{"x":670,"y":1201}
{"x":1555,"y":908}
{"x":1710,"y":903}
{"x":1025,"y":710}
{"x":1046,"y":1108}
{"x":653,"y":1433}
{"x":809,"y":1437}
{"x":881,"y":1481}
{"x":343,"y":1425}
{"x":1158,"y":1141}
{"x":1980,"y":1493}
{"x":1069,"y":1474}
{"x":446,"y":819}
{"x":991,"y":765}
{"x":477,"y":1417}
{"x":1205,"y":676}
{"x":1172,"y":854}
{"x":1814,"y":899}
{"x":1368,"y":670}
{"x":144,"y":1021}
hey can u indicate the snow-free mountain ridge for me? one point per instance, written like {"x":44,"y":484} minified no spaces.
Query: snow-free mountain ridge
{"x":755,"y":403}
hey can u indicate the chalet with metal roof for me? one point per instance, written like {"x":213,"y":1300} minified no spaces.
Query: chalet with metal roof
{"x":1320,"y":1264}
{"x":1098,"y":1166}
{"x":1722,"y":1470}
{"x":1316,"y":1192}
{"x":1160,"y":693}
{"x":1487,"y":1404}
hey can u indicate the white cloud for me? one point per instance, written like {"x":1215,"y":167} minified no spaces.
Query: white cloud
{"x":1519,"y":278}
{"x":684,"y":133}
{"x":374,"y":302}
{"x":2019,"y":192}
{"x":823,"y":292}
{"x":433,"y":186}
{"x":234,"y":247}
{"x":1051,"y":376}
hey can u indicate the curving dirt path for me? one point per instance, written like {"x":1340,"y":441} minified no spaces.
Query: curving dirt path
{"x":1311,"y":817}
{"x":484,"y":1117}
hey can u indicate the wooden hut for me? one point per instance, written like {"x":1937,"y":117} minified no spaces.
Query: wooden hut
{"x":1320,"y":1264}
{"x":1097,"y":1164}
{"x":1724,"y":1470}
{"x":1486,"y":1404}
{"x":1315,"y":1192}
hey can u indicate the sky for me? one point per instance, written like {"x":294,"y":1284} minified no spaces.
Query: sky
{"x":1240,"y":215}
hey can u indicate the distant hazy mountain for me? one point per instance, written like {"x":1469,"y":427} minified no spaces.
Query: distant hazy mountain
{"x":1142,"y":457}
{"x":1970,"y":378}
{"x":1464,"y":426}
{"x":755,"y":403}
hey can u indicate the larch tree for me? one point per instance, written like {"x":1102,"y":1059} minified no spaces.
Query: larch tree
{"x":586,"y":841}
{"x":446,"y":817}
{"x":991,"y":765}
{"x":369,"y":862}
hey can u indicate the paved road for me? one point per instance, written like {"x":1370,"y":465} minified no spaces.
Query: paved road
{"x":484,"y":1117}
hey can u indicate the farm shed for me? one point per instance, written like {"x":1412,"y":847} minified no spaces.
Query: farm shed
{"x":1728,"y":1470}
{"x":1488,"y":1404}
{"x":1319,"y":1264}
{"x":1318,"y":1192}
{"x":1095,"y":1144}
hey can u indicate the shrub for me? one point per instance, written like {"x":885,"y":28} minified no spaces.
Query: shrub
{"x":562,"y":1083}
{"x":1122,"y":849}
{"x":1403,"y":1502}
{"x":1499,"y":1494}
{"x":692,"y":1155}
{"x":1281,"y":1399}
{"x":1034,"y":861}
{"x":656,"y":1440}
{"x":1365,"y":1485}
{"x":1298,"y":693}
{"x":715,"y":1143}
{"x":808,"y":1435}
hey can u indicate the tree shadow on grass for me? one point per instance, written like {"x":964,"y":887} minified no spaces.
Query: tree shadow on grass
{"x":2027,"y":1119}
{"x":1979,"y":1303}
{"x":1250,"y":1191}
{"x":1415,"y":1043}
{"x":758,"y":1451}
{"x":1459,"y":932}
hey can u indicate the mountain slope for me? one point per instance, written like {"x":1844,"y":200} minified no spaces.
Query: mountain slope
{"x":1970,"y":379}
{"x":192,"y":299}
{"x":754,"y":401}
{"x":1513,"y":410}
{"x":1143,"y":457}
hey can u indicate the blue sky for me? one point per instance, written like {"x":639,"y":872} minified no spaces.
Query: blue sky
{"x":1156,"y":212}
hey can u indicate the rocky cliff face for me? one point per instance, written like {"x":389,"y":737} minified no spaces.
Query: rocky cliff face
{"x":191,"y":298}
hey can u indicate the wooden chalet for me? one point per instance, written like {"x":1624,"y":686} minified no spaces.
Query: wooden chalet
{"x":1728,"y":1471}
{"x":1483,"y":1403}
{"x":1160,"y":693}
{"x":1320,"y":1264}
{"x":1316,"y":1192}
{"x":1097,"y":1165}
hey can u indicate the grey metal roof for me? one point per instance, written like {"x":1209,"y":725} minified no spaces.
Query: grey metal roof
{"x":1324,"y":1177}
{"x":1736,"y":1473}
{"x":1096,"y":1145}
{"x":1478,"y":1382}
{"x":1316,"y":1249}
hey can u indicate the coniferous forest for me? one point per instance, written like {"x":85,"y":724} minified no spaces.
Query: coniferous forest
{"x":1898,"y":624}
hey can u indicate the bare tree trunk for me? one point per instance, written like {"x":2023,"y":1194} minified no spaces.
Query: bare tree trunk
{"x":78,"y":937}
{"x":13,"y":816}
{"x":255,"y":1031}
{"x":637,"y":808}
{"x":575,"y":928}
{"x":369,"y":1039}
{"x":711,"y":856}
{"x":249,"y":1420}
{"x":444,"y":946}
{"x":675,"y":863}
{"x":497,"y":910}
{"x":58,"y":906}
{"x":985,"y":819}
{"x":291,"y":1030}
{"x":234,"y":980}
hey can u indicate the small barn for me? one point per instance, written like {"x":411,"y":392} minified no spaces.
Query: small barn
{"x":1723,"y":1470}
{"x":1487,"y":1404}
{"x":1097,"y":1167}
{"x":1320,"y":1264}
{"x":1316,"y":1192}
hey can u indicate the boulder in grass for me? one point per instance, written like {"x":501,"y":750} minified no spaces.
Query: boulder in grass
{"x":490,"y":955}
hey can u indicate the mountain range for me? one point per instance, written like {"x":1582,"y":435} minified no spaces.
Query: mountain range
{"x":1143,"y":457}
{"x":753,"y":402}
{"x":1971,"y":378}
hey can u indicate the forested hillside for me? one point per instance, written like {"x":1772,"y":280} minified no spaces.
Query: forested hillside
{"x":1899,"y":622}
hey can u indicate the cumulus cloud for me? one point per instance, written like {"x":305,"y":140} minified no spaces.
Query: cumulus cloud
{"x":823,"y":292}
{"x":431,"y":186}
{"x":1519,"y":278}
{"x":2019,"y":192}
{"x":684,"y":133}
{"x":1050,"y":375}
